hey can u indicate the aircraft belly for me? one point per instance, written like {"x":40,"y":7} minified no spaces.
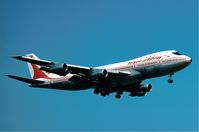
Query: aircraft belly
{"x":121,"y":82}
{"x":63,"y":85}
{"x":160,"y":70}
{"x":69,"y":85}
{"x":153,"y":71}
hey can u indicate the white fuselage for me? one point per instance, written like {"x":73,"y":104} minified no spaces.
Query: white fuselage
{"x":165,"y":62}
{"x":152,"y":65}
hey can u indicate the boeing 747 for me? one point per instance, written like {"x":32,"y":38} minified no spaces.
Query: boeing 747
{"x":116,"y":78}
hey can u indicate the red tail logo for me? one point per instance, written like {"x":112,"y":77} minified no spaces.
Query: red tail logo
{"x":37,"y":73}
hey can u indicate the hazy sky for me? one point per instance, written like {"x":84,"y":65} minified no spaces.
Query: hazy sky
{"x":92,"y":33}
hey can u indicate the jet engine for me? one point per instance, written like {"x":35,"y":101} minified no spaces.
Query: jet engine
{"x":61,"y":69}
{"x":98,"y":73}
{"x":146,"y":87}
{"x":142,"y":90}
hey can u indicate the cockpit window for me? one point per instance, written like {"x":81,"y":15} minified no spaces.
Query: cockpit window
{"x":176,"y":53}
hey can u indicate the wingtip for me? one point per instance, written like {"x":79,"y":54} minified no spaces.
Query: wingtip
{"x":9,"y":76}
{"x":17,"y":57}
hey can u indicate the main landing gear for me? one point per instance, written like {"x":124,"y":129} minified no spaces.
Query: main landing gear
{"x":96,"y":91}
{"x":102,"y":92}
{"x":170,"y":80}
{"x":106,"y":92}
{"x":118,"y":94}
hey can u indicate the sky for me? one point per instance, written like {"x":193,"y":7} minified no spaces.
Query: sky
{"x":93,"y":33}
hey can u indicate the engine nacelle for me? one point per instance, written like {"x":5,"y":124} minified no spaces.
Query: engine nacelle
{"x":142,"y":90}
{"x":146,"y":87}
{"x":61,"y":69}
{"x":98,"y":73}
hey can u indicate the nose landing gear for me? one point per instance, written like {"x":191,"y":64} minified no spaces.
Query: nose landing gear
{"x":170,"y":80}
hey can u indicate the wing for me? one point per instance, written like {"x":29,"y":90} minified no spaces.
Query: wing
{"x":33,"y":60}
{"x":81,"y":71}
{"x":54,"y":67}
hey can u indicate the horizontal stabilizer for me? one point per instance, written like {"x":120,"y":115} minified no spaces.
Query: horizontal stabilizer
{"x":26,"y":80}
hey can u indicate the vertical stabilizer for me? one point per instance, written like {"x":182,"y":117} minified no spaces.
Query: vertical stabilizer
{"x":34,"y":69}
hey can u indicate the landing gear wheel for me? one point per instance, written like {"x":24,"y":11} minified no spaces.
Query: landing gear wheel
{"x":96,"y":91}
{"x":118,"y":96}
{"x":170,"y":81}
{"x":103,"y":93}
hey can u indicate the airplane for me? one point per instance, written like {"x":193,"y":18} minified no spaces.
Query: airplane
{"x":116,"y":78}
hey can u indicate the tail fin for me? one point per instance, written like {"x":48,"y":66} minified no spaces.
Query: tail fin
{"x":34,"y":69}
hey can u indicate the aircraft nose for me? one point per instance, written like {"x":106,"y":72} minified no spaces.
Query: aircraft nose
{"x":189,"y":60}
